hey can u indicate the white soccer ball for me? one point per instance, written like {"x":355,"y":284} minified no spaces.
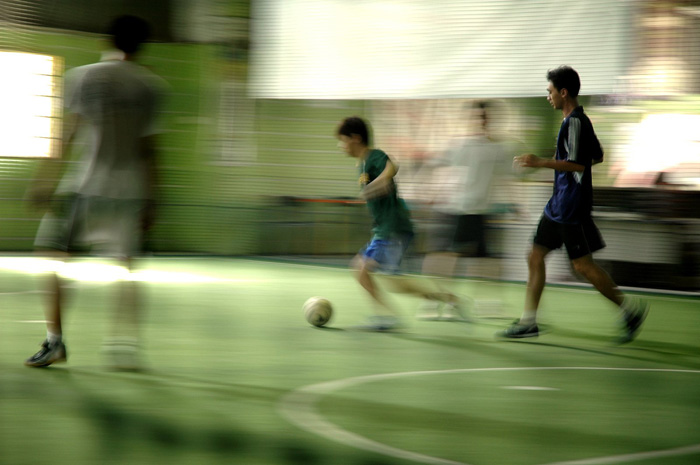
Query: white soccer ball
{"x":317,"y":311}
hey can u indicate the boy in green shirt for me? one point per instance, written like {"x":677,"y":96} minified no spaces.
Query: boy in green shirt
{"x":392,"y":231}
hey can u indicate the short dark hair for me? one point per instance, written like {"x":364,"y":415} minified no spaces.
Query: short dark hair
{"x":482,"y":105}
{"x":354,"y":125}
{"x":129,"y":32}
{"x":565,"y":77}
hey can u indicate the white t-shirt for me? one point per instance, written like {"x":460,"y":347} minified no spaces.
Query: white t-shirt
{"x":468,"y":174}
{"x":117,"y":101}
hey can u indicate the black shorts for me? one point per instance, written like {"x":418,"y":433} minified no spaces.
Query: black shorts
{"x":580,"y":239}
{"x":461,"y":234}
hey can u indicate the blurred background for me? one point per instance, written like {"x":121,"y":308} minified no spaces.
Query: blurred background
{"x":248,"y":158}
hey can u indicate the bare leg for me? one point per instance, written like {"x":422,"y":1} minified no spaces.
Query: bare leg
{"x":123,"y":346}
{"x":537,"y":276}
{"x":600,"y":279}
{"x":127,"y":311}
{"x":363,"y":269}
{"x":441,"y":264}
{"x":486,"y":303}
{"x":633,"y":311}
{"x":54,"y":304}
{"x":52,"y":350}
{"x":55,"y":295}
{"x":426,"y":289}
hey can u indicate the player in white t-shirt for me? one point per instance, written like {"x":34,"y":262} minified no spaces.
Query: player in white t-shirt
{"x":467,"y":176}
{"x":106,"y":203}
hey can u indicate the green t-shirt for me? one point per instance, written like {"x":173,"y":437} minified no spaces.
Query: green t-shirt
{"x":390,"y":214}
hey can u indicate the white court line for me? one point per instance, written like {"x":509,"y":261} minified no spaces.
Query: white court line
{"x":655,"y":294}
{"x":22,"y":292}
{"x":529,"y":388}
{"x":340,"y":268}
{"x":577,"y":288}
{"x":97,"y":271}
{"x":299,"y":408}
{"x":633,"y":457}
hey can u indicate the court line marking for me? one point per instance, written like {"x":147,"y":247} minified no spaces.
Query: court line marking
{"x":687,"y":450}
{"x":650,"y":294}
{"x":299,"y":408}
{"x":530,"y":388}
{"x":22,"y":292}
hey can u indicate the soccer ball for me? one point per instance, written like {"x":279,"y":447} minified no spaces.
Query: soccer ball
{"x":317,"y":311}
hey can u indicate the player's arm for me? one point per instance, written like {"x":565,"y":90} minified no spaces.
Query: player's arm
{"x":50,"y":170}
{"x":600,"y":154}
{"x":382,"y":184}
{"x":575,"y":160}
{"x":532,"y":161}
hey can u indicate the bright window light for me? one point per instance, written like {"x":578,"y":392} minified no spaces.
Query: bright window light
{"x":100,"y":272}
{"x":664,"y":141}
{"x":30,"y":96}
{"x":387,"y":49}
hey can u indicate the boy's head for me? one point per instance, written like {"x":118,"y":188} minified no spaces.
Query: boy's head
{"x":481,"y":110}
{"x":128,"y":33}
{"x":353,"y":133}
{"x":564,"y":83}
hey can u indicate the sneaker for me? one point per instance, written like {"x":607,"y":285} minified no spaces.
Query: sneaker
{"x":48,"y":354}
{"x":380,"y":323}
{"x":633,"y":319}
{"x":518,"y":330}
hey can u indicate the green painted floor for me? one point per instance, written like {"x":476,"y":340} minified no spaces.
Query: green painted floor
{"x":236,"y":376}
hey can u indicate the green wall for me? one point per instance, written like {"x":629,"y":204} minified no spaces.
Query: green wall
{"x":210,"y":204}
{"x":184,"y":174}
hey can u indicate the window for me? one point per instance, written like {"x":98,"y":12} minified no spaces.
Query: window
{"x":386,"y":49}
{"x":30,"y":93}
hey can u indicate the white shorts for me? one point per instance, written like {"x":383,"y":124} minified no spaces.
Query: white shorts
{"x":100,"y":225}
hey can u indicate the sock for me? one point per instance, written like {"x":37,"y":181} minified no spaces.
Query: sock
{"x":53,"y":338}
{"x":529,"y":317}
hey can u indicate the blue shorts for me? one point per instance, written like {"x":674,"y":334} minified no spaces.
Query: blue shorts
{"x":387,"y":252}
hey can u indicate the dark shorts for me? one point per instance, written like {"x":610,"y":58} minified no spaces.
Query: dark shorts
{"x":580,"y":239}
{"x":461,"y":234}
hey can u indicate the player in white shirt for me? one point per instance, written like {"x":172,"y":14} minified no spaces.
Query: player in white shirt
{"x":106,"y":202}
{"x":466,"y":178}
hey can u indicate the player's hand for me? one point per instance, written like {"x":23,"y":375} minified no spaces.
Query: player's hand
{"x":528,"y":160}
